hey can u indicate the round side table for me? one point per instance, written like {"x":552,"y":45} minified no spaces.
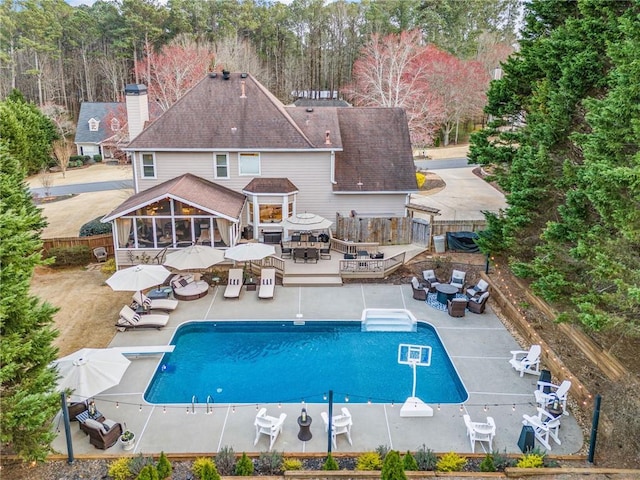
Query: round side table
{"x":305,"y":429}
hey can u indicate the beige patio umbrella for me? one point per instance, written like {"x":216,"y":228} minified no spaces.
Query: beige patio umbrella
{"x":194,"y":257}
{"x":306,"y":221}
{"x":246,"y":252}
{"x":140,"y":277}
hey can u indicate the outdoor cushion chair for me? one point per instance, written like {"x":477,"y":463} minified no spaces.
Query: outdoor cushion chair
{"x":189,"y":287}
{"x":544,"y":426}
{"x":552,"y":394}
{"x":457,"y":279}
{"x":267,"y":283}
{"x":325,"y":252}
{"x":480,"y":288}
{"x":234,"y":283}
{"x":299,"y":254}
{"x":103,"y":434}
{"x":480,"y":432}
{"x":430,"y":279}
{"x":129,"y":319}
{"x":311,"y":254}
{"x":165,"y":304}
{"x":286,"y":251}
{"x":526,"y":361}
{"x":419,"y":292}
{"x":456,"y":307}
{"x":76,"y":408}
{"x":340,"y":425}
{"x":268,"y":425}
{"x":476,"y":304}
{"x":100,"y":253}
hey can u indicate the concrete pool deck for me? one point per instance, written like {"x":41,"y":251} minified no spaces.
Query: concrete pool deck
{"x":479,"y":347}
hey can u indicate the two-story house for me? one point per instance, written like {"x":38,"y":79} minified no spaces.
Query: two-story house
{"x":229,"y":160}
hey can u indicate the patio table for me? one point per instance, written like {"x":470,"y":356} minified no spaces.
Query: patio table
{"x":446,"y":292}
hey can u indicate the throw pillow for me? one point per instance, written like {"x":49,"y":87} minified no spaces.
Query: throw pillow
{"x":91,"y":423}
{"x":183,"y":282}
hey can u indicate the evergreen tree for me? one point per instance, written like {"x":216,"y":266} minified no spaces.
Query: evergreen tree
{"x":27,"y":400}
{"x":392,"y":467}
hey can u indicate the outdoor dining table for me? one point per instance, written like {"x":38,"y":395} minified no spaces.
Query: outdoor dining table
{"x":446,"y":292}
{"x":301,"y":244}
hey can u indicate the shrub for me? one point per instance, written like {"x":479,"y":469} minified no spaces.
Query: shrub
{"x":244,"y":467}
{"x":392,"y":467}
{"x":420,"y":178}
{"x":426,"y":459}
{"x":409,"y":462}
{"x":226,"y":461}
{"x":94,"y":227}
{"x":119,"y":469}
{"x":74,"y":159}
{"x":148,"y":473}
{"x":139,"y":463}
{"x":501,"y":460}
{"x":330,"y":463}
{"x":70,"y":256}
{"x":164,"y":467}
{"x":531,"y":460}
{"x":109,"y":267}
{"x":97,"y":158}
{"x":291,"y":464}
{"x":209,"y":472}
{"x":369,"y":461}
{"x":382,"y":450}
{"x":199,"y":465}
{"x":270,"y":463}
{"x":451,"y":462}
{"x":487,"y":464}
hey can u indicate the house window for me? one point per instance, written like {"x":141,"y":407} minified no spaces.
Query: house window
{"x":93,"y":125}
{"x":270,"y":213}
{"x":222,"y":166}
{"x":115,"y":125}
{"x":249,"y":164}
{"x":148,"y":165}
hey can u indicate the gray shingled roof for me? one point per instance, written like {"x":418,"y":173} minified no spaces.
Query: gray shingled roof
{"x":100,"y":111}
{"x":270,"y":185}
{"x":191,"y":189}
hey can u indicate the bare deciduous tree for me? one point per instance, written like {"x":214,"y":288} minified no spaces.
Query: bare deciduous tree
{"x":46,"y":180}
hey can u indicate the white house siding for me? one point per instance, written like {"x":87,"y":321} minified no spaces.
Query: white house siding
{"x":310,"y":172}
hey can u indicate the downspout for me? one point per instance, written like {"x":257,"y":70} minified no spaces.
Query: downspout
{"x":333,"y":167}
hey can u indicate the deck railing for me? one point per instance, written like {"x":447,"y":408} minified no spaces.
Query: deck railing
{"x":370,"y":267}
{"x":343,"y":246}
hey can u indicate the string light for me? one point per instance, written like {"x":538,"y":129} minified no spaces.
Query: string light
{"x":369,"y":401}
{"x":140,"y":409}
{"x":346,"y":398}
{"x":233,"y":409}
{"x":164,"y":409}
{"x":117,"y":404}
{"x":438,"y":407}
{"x":514,"y":407}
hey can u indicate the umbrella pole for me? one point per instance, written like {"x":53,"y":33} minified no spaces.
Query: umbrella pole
{"x":67,"y":427}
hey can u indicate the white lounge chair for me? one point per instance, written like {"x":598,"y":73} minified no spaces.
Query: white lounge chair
{"x":341,"y":425}
{"x":145,"y":302}
{"x":480,"y":288}
{"x":544,"y":426}
{"x":268,"y":425}
{"x":234,"y":283}
{"x":480,"y":432}
{"x":129,"y":319}
{"x":267,"y":283}
{"x":553,"y":393}
{"x":526,"y":361}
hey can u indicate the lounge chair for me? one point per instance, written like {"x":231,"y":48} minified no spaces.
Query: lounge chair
{"x":524,"y":361}
{"x":552,"y":394}
{"x":100,"y":253}
{"x":544,"y":426}
{"x":457,"y":279}
{"x":476,"y":304}
{"x":480,"y":432}
{"x":189,"y":287}
{"x":419,"y":292}
{"x":340,"y":425}
{"x":268,"y":425}
{"x":102,"y":434}
{"x":234,"y":283}
{"x":430,"y":279}
{"x":129,"y":319}
{"x":477,"y":290}
{"x":267,"y":283}
{"x":164,"y":304}
{"x":456,"y":307}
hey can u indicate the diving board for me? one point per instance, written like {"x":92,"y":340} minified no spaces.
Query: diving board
{"x":144,"y":349}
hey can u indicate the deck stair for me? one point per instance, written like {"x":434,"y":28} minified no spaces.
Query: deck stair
{"x":311,"y":280}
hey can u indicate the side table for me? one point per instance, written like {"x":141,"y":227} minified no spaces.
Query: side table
{"x":305,"y":429}
{"x":251,"y":286}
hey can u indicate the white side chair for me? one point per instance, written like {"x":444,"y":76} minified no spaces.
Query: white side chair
{"x":544,"y":426}
{"x":480,"y":432}
{"x":341,"y":425}
{"x":554,"y":392}
{"x":526,"y":361}
{"x":268,"y":425}
{"x":457,"y":279}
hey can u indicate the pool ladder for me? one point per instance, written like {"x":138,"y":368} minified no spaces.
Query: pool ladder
{"x":194,"y":401}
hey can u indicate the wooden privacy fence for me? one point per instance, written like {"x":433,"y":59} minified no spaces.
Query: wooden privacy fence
{"x":441,"y":227}
{"x":381,"y":230}
{"x":104,"y":240}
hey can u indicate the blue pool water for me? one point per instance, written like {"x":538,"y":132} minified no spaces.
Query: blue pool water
{"x":277,"y":361}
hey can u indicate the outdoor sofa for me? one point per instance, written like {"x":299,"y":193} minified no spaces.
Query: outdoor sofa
{"x":186,"y":287}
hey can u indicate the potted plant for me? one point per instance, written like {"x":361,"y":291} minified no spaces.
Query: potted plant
{"x":127,"y":439}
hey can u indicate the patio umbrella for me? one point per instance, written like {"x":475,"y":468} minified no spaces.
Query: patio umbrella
{"x":90,"y":371}
{"x":140,"y":277}
{"x":246,"y":252}
{"x":306,"y":221}
{"x":194,"y":257}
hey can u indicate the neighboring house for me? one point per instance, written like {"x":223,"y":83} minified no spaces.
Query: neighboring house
{"x":95,"y":123}
{"x":230,"y":160}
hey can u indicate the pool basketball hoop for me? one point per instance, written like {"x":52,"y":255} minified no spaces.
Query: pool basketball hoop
{"x":415,"y":355}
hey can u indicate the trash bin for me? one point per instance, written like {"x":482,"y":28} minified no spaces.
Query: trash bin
{"x":438,"y":243}
{"x":526,"y":442}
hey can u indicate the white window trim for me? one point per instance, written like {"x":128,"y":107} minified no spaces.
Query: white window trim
{"x":254,"y":154}
{"x":215,"y":165}
{"x":94,"y":125}
{"x":155,"y":168}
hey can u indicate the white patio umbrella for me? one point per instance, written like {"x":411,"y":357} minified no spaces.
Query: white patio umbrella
{"x":90,"y":371}
{"x":246,"y":252}
{"x":140,"y":277}
{"x":306,"y":221}
{"x":194,"y":257}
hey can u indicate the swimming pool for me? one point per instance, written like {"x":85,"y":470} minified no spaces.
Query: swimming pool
{"x":287,"y":362}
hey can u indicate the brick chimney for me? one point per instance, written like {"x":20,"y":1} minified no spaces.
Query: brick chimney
{"x":137,"y":108}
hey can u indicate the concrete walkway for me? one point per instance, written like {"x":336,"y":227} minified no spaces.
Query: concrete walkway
{"x":478,"y":344}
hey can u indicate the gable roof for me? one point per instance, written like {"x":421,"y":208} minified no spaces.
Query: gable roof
{"x":100,"y":111}
{"x":188,"y":188}
{"x":215,"y":114}
{"x":376,"y":154}
{"x":270,"y":185}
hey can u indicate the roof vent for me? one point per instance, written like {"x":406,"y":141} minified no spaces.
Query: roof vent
{"x":327,"y":138}
{"x":225,"y":74}
{"x":243,"y":75}
{"x":309,"y":109}
{"x":213,"y":74}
